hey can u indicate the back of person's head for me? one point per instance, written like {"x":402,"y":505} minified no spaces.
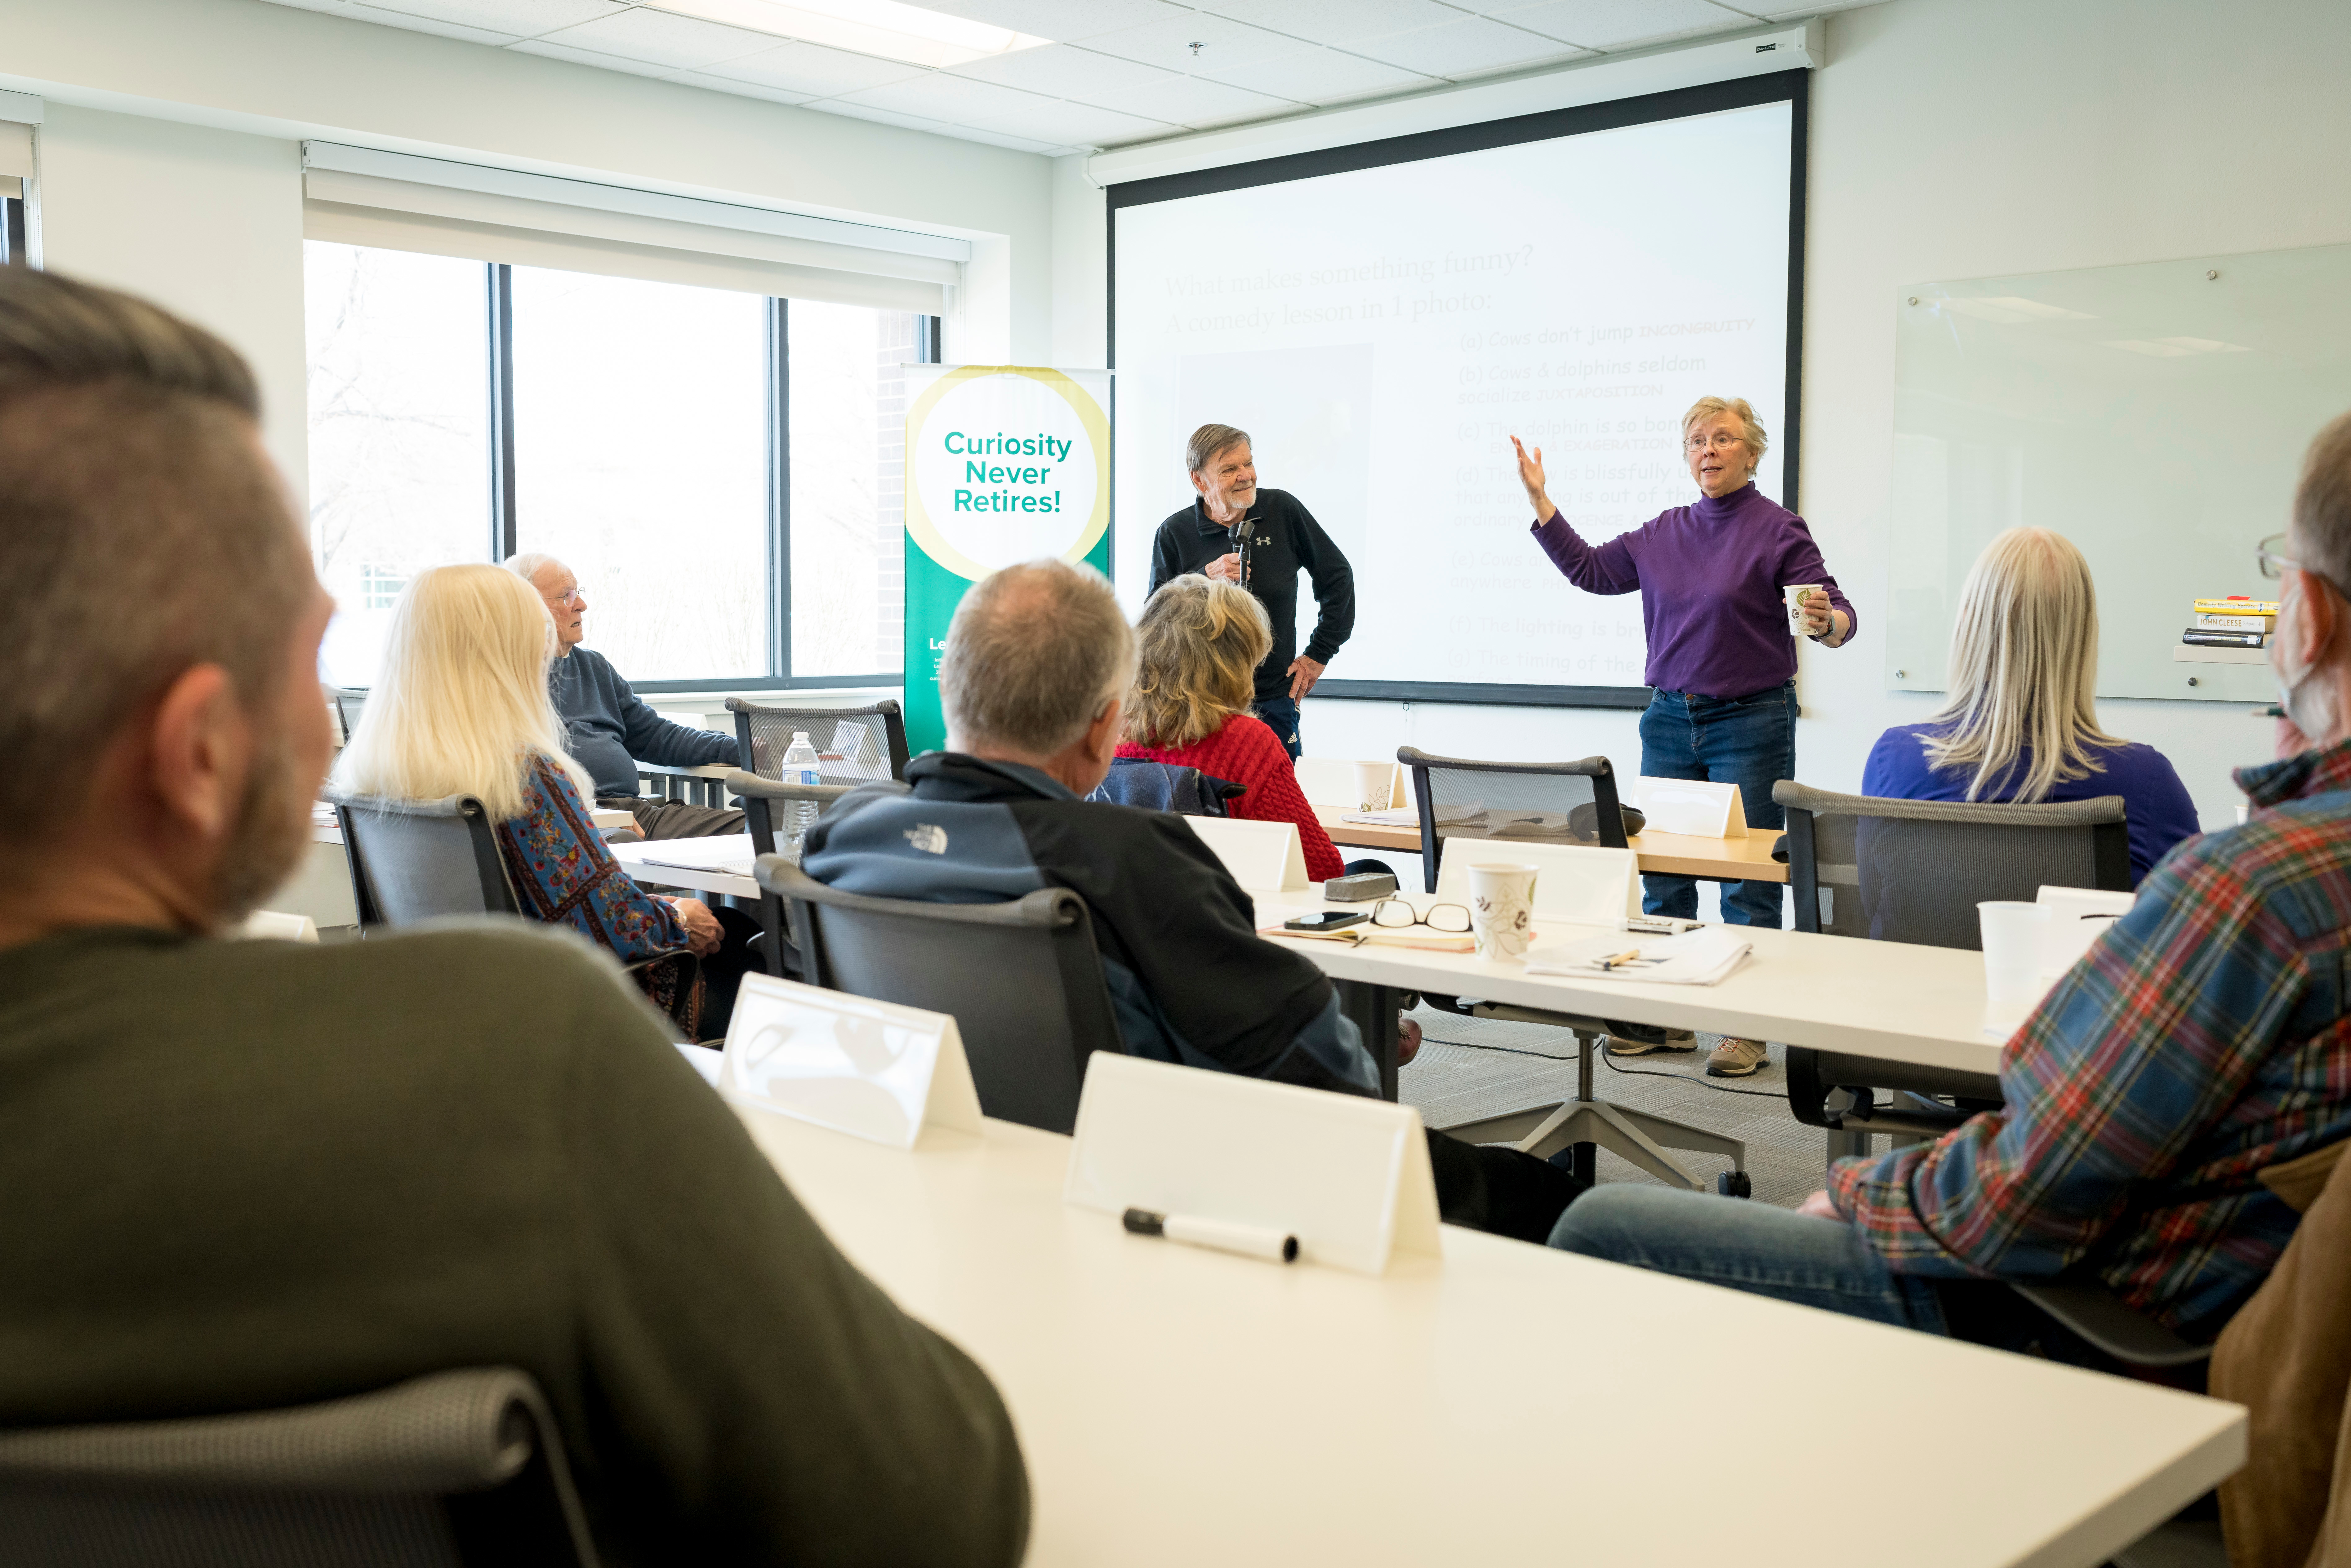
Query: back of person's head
{"x":2322,"y":505}
{"x":461,"y":705}
{"x":1200,"y":644}
{"x":1034,"y":655}
{"x":143,"y":535}
{"x":2023,"y":669}
{"x":527,"y":564}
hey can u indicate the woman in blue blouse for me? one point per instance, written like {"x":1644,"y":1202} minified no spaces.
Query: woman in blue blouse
{"x":462,"y":708}
{"x":2021,"y":723}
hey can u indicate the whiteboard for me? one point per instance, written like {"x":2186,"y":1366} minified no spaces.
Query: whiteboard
{"x":2156,"y":414}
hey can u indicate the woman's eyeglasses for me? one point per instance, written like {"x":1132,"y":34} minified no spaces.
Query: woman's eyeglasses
{"x":1394,"y":914}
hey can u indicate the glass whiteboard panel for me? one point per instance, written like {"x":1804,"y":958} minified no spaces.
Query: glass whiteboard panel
{"x":2156,"y":414}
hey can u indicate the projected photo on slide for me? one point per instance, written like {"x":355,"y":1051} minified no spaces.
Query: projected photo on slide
{"x":1381,"y":331}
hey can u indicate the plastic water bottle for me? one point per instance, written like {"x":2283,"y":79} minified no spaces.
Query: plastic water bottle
{"x":800,"y":767}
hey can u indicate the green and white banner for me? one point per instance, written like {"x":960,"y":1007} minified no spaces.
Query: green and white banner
{"x":1004,"y":464}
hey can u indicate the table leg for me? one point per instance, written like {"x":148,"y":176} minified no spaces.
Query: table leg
{"x":1373,"y":1008}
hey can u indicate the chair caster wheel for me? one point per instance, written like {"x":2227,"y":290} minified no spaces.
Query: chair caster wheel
{"x":1734,"y":1184}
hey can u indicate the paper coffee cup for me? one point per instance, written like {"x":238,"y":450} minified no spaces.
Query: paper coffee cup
{"x":1374,"y":786}
{"x":2015,"y":937}
{"x":1795,"y":596}
{"x":1501,"y":909}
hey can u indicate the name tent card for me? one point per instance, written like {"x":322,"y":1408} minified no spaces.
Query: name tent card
{"x":1348,"y":1176}
{"x":875,"y":1070}
{"x":1692,"y":806}
{"x":1576,"y":884}
{"x":1262,"y":856}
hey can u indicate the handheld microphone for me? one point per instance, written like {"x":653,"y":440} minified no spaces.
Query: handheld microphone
{"x":1243,"y":538}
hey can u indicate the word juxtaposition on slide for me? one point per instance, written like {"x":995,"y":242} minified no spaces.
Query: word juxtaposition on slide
{"x":1381,"y":332}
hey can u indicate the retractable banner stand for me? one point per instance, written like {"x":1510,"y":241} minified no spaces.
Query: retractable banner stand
{"x":1004,"y":464}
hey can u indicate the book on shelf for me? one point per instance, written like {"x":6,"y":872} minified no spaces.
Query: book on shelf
{"x":2199,"y":637}
{"x":2208,"y":620}
{"x":2235,"y":604}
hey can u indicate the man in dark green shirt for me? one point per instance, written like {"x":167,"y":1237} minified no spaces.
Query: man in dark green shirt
{"x":236,"y":1175}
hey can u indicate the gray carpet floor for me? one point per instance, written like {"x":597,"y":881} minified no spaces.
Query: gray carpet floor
{"x":1471,"y":1068}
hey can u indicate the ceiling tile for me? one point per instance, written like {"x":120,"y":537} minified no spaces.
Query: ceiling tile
{"x":1787,"y":13}
{"x":1224,"y":45}
{"x":1341,"y":23}
{"x":1063,"y":21}
{"x":847,"y":110}
{"x":658,"y":38}
{"x":523,"y":18}
{"x":1060,"y":70}
{"x":814,"y":69}
{"x":1324,"y":76}
{"x":1197,"y":101}
{"x":382,"y":18}
{"x":1002,"y":108}
{"x":740,"y":88}
{"x":1465,"y":47}
{"x":1620,"y":24}
{"x":555,"y":51}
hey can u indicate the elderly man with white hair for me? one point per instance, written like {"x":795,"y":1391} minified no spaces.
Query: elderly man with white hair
{"x":610,"y":728}
{"x":1034,"y":681}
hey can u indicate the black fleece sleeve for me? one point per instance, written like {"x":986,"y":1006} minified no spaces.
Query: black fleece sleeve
{"x":1334,"y":588}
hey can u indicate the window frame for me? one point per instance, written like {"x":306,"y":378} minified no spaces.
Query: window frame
{"x":499,"y":392}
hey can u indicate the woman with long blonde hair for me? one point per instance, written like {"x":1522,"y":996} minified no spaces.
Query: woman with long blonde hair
{"x":2020,"y":722}
{"x":461,"y":708}
{"x":1198,"y":645}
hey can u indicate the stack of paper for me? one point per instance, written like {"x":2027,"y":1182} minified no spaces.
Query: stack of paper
{"x":1699,"y":957}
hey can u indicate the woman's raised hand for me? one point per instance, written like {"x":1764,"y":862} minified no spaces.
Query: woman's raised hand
{"x":1531,"y":474}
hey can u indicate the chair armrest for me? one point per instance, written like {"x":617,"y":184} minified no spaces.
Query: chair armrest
{"x":2099,"y":1317}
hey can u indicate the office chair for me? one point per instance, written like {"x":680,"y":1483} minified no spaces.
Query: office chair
{"x":1022,"y":980}
{"x":421,"y":860}
{"x":1539,"y":803}
{"x":1913,"y":870}
{"x":1554,"y":803}
{"x":348,"y":701}
{"x":760,"y":796}
{"x":875,"y":748}
{"x":455,"y":1469}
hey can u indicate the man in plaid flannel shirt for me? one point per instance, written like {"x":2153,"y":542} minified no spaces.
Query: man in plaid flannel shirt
{"x":2202,"y":1040}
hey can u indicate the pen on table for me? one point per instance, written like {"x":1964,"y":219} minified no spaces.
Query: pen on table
{"x":1224,"y":1234}
{"x":1626,"y":956}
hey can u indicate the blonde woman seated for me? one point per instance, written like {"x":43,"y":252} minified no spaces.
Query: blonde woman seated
{"x":1199,"y":643}
{"x":462,"y":708}
{"x":2022,"y":724}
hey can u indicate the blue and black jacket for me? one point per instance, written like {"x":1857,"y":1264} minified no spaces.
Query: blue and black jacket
{"x":1189,"y":978}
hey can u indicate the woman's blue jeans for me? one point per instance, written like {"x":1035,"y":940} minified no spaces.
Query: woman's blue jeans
{"x":1748,"y":1247}
{"x":1748,"y":741}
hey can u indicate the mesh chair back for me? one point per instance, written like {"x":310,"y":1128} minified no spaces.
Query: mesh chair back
{"x":1542,"y":802}
{"x":449,"y":1470}
{"x":416,"y":860}
{"x":853,"y":745}
{"x":348,"y":701}
{"x":1021,"y":978}
{"x":763,"y":801}
{"x":1913,"y":870}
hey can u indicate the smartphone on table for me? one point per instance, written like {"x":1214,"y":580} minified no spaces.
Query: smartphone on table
{"x":1326,"y":920}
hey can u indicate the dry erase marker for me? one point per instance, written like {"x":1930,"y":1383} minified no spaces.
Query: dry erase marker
{"x":1224,"y":1234}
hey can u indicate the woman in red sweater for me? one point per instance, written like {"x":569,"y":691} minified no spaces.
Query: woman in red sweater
{"x":1199,"y":643}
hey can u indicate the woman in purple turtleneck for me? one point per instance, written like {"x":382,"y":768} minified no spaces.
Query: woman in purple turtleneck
{"x":1710,"y":577}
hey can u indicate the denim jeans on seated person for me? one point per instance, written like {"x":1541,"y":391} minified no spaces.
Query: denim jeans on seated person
{"x":1280,"y":715}
{"x":1748,"y":1247}
{"x":1748,"y":741}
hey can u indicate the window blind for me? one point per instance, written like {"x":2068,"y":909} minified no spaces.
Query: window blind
{"x":357,"y":196}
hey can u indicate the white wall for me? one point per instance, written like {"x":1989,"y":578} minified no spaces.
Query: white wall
{"x":1961,"y":139}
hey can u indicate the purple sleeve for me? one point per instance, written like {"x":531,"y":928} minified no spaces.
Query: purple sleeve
{"x":2162,"y":816}
{"x":1802,"y":563}
{"x":1608,"y":569}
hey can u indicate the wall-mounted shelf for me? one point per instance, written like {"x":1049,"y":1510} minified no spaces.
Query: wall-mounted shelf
{"x":2196,"y":654}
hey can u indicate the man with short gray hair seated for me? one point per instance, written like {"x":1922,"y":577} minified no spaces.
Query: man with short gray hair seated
{"x":609,"y":728}
{"x":1038,"y":664}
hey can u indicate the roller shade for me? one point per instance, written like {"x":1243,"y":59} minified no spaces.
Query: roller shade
{"x":360,"y":196}
{"x":15,"y":154}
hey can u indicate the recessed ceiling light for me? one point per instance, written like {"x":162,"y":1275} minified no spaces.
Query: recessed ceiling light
{"x":884,"y":28}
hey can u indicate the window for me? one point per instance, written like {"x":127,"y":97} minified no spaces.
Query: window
{"x":400,"y":441}
{"x":688,"y":452}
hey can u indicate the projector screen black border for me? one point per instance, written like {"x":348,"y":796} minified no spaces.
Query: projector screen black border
{"x":1792,"y":88}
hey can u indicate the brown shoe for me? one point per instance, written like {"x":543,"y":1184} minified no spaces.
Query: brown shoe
{"x":1407,"y":1042}
{"x":1736,"y":1058}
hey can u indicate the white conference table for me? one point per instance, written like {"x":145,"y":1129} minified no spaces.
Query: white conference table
{"x":639,"y":860}
{"x":1180,"y":1407}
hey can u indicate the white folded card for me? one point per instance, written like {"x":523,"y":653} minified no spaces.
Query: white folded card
{"x":2078,"y":917}
{"x":269,"y":925}
{"x":1263,"y":855}
{"x":1699,"y":957}
{"x":1576,"y":884}
{"x":1692,"y":806}
{"x":1348,"y":1176}
{"x":874,"y":1068}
